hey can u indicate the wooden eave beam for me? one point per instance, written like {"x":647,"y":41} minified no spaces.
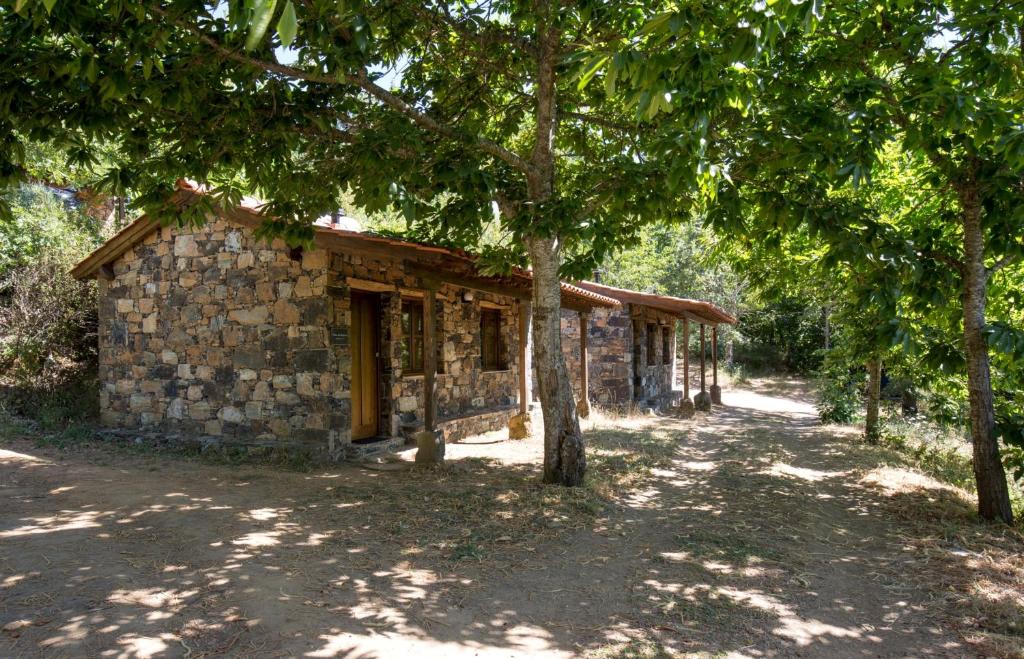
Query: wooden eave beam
{"x":473,"y":283}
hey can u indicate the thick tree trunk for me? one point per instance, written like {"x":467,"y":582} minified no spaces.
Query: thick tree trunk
{"x":564,"y":450}
{"x":872,"y":431}
{"x":993,"y":494}
{"x":564,"y":456}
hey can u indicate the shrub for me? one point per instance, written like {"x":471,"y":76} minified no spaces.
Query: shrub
{"x":838,"y":393}
{"x":47,"y":318}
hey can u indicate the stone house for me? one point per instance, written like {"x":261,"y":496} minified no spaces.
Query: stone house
{"x":631,"y":349}
{"x":342,"y":349}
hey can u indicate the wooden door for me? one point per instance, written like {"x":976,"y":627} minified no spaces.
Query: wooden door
{"x":365,"y":414}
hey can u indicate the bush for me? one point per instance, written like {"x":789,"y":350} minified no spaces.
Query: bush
{"x":48,"y":348}
{"x":48,"y":319}
{"x":783,"y":336}
{"x":838,"y":393}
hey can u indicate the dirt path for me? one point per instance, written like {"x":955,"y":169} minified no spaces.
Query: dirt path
{"x":752,"y":531}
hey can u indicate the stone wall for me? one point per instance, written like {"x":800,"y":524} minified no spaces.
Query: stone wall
{"x":652,"y":383}
{"x":221,"y":336}
{"x":214,"y":334}
{"x":610,"y":348}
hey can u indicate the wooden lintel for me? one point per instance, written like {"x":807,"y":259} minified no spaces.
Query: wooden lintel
{"x":411,"y":292}
{"x":370,"y":285}
{"x":472,"y":283}
{"x":487,"y":304}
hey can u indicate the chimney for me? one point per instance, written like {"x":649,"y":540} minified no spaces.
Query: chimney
{"x":597,"y":275}
{"x":335,"y":217}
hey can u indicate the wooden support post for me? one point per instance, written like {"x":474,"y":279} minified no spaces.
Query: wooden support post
{"x":716,"y":391}
{"x":430,"y":445}
{"x":686,"y":359}
{"x":702,"y":401}
{"x":583,"y":407}
{"x":519,"y":426}
{"x":524,"y":372}
{"x":429,"y":361}
{"x":703,"y":350}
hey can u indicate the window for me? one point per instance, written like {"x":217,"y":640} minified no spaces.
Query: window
{"x":493,"y":353}
{"x":652,"y":343}
{"x":666,"y":346}
{"x":412,"y":336}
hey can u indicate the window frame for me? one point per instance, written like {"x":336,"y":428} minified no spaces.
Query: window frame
{"x":500,"y":350}
{"x":411,"y":343}
{"x":666,"y":345}
{"x":652,"y":344}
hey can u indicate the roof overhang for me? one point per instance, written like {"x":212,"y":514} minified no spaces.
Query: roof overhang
{"x":695,"y":310}
{"x":432,"y":262}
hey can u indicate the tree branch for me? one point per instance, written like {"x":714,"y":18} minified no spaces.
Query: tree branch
{"x":945,"y":259}
{"x":1008,"y":259}
{"x":361,"y":80}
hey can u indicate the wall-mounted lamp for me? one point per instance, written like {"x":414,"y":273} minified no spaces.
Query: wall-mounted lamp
{"x":467,"y":296}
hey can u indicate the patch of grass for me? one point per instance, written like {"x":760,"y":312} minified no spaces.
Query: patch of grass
{"x":637,"y":649}
{"x":736,"y":548}
{"x":942,"y":453}
{"x":622,"y":453}
{"x":468,"y":550}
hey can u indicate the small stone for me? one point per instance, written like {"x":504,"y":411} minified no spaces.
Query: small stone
{"x":249,"y":316}
{"x":233,"y":241}
{"x":185,"y":245}
{"x":176,"y":409}
{"x":125,"y":305}
{"x":230,"y":414}
{"x":169,"y":357}
{"x":149,"y":324}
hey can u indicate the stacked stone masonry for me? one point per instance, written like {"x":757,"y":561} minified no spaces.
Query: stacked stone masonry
{"x":619,"y":373}
{"x":211,"y":332}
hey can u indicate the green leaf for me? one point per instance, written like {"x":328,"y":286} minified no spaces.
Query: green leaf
{"x":593,"y":66}
{"x":287,"y":25}
{"x":49,"y":4}
{"x":262,"y":13}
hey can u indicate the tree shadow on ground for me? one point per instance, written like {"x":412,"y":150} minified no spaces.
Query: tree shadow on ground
{"x":748,"y":530}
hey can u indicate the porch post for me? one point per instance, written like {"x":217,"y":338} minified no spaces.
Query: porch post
{"x":702,"y":401}
{"x":716,"y":391}
{"x":519,"y":426}
{"x":583,"y":408}
{"x":430,"y":444}
{"x":686,"y":359}
{"x":429,"y":361}
{"x":524,"y":371}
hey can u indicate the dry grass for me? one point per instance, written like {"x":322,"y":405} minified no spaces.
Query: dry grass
{"x":976,"y":569}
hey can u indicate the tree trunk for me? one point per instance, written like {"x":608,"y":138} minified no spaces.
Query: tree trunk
{"x":564,"y":456}
{"x":827,"y":329}
{"x":871,"y":429}
{"x":564,"y":451}
{"x":993,"y":494}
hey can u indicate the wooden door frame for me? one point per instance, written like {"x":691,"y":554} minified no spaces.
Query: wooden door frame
{"x":374,"y":300}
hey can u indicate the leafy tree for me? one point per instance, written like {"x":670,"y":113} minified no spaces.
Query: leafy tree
{"x":459,"y":114}
{"x":943,"y":80}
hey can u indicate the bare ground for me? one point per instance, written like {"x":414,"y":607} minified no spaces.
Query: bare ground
{"x":751,"y":531}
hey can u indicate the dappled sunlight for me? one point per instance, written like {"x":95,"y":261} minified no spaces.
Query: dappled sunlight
{"x":65,"y":520}
{"x":811,"y":475}
{"x":750,"y":530}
